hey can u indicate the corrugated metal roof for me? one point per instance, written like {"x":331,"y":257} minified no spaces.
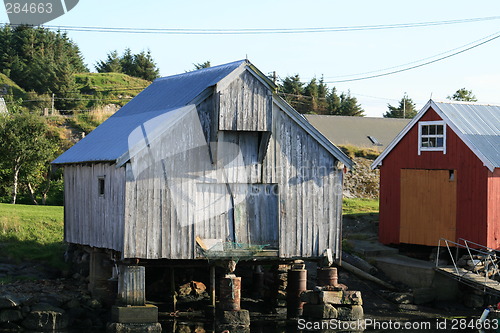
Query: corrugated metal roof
{"x":478,"y":125}
{"x":110,"y":140}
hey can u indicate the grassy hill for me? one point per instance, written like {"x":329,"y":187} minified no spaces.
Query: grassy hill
{"x":7,"y":86}
{"x":109,"y":88}
{"x":102,"y":94}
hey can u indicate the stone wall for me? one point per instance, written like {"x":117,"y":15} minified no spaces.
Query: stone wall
{"x":362,"y":181}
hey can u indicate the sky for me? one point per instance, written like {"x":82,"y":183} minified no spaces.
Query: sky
{"x":334,"y":55}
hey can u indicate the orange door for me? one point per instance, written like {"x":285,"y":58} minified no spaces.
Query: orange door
{"x":428,"y":206}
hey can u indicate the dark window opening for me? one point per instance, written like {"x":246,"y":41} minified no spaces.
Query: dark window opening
{"x":452,"y":175}
{"x":101,"y":186}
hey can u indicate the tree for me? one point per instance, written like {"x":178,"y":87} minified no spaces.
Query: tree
{"x":40,"y":60}
{"x":406,"y":109}
{"x":139,"y":65}
{"x":349,"y":106}
{"x":110,"y":65}
{"x":293,"y":92}
{"x":202,"y":65}
{"x":333,"y":102}
{"x":463,"y":95}
{"x":127,"y":62}
{"x":322,"y":94}
{"x":312,"y":91}
{"x":26,"y":148}
{"x":144,"y":67}
{"x":316,"y":98}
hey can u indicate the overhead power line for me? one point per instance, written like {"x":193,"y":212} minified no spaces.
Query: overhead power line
{"x":255,"y":31}
{"x":482,"y":41}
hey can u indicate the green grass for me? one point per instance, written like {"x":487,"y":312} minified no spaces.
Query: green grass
{"x":359,"y":206}
{"x":32,"y":233}
{"x":115,"y":88}
{"x":101,"y":89}
{"x":353,"y":151}
{"x":12,"y":86}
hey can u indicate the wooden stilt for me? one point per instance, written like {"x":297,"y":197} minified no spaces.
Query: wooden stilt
{"x":212,"y":285}
{"x":172,"y":289}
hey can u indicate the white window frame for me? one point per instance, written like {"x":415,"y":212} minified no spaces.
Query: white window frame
{"x":426,"y":123}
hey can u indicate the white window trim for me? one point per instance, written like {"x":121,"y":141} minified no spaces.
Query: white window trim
{"x":423,"y":123}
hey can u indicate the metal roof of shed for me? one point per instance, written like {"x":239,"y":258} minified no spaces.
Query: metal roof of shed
{"x":113,"y":139}
{"x":477,"y":125}
{"x":110,"y":140}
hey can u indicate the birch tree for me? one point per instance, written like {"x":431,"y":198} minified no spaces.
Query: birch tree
{"x":25,"y":147}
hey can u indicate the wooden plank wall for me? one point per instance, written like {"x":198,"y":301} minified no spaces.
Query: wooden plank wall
{"x":92,"y":219}
{"x":256,"y":214}
{"x":245,"y":105}
{"x":302,"y":216}
{"x":173,"y":195}
{"x":310,"y":190}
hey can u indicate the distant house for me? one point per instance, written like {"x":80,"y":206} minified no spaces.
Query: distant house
{"x":440,"y":177}
{"x":201,"y":160}
{"x":363,"y":132}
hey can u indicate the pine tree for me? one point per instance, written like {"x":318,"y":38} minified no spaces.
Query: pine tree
{"x":312,"y":91}
{"x":463,"y":95}
{"x":127,"y":62}
{"x":110,"y":65}
{"x":144,"y":67}
{"x":202,"y":65}
{"x":139,"y":65}
{"x":322,"y":97}
{"x":333,"y":102}
{"x":405,"y":109}
{"x":349,"y":106}
{"x":39,"y":60}
{"x":293,"y":92}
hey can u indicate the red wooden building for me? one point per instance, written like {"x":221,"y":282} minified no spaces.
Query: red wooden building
{"x":440,"y":177}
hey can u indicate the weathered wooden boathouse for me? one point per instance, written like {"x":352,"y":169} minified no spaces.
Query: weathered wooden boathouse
{"x":210,"y":164}
{"x":440,"y":177}
{"x":200,"y":160}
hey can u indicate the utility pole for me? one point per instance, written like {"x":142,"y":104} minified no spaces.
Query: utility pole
{"x":404,"y":105}
{"x":53,"y":103}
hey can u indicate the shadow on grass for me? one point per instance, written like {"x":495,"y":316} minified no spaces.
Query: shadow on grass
{"x":17,"y":251}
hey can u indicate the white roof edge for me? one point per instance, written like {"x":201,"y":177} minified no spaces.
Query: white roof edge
{"x":395,"y":141}
{"x":431,"y":104}
{"x":302,"y":122}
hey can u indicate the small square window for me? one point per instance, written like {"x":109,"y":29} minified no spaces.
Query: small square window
{"x":432,"y":136}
